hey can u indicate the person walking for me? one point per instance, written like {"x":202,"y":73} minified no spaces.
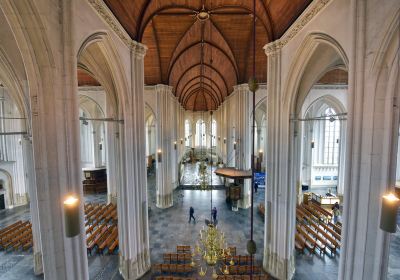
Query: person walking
{"x":336,"y":212}
{"x":214,"y":214}
{"x":191,"y":212}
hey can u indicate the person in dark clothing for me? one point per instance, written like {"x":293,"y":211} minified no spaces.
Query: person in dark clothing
{"x":214,"y":214}
{"x":255,"y":187}
{"x":191,"y":212}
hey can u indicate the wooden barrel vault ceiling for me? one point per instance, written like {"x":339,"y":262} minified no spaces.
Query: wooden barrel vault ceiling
{"x":202,"y":48}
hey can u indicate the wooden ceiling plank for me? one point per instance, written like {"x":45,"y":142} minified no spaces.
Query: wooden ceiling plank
{"x":158,"y":50}
{"x":197,"y":91}
{"x":208,"y":65}
{"x":199,"y":83}
{"x":141,"y":15}
{"x":143,"y":27}
{"x":209,"y":79}
{"x":173,"y":62}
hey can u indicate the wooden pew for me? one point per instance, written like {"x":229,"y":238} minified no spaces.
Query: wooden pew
{"x":183,"y":249}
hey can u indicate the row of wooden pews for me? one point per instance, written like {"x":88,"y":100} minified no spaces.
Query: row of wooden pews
{"x":101,"y":225}
{"x":16,"y":236}
{"x":180,"y":264}
{"x":243,"y":277}
{"x":315,"y":231}
{"x":241,"y":259}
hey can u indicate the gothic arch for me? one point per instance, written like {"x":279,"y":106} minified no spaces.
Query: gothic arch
{"x":104,"y":64}
{"x":9,"y":195}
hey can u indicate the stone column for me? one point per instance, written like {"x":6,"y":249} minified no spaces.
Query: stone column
{"x":279,"y":201}
{"x":165,"y":145}
{"x":243,"y":139}
{"x":113,"y":161}
{"x":97,"y":161}
{"x":30,"y":180}
{"x":134,"y":258}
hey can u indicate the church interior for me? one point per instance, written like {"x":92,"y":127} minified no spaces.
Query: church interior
{"x":201,"y":139}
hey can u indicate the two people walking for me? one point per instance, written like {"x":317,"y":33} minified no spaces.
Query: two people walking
{"x":213,"y":214}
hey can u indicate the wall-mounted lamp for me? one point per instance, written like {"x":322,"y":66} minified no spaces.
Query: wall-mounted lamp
{"x":71,"y":216}
{"x":182,"y":140}
{"x":260,"y":154}
{"x":224,"y":140}
{"x":175,"y":145}
{"x":159,"y":158}
{"x":234,"y":145}
{"x":100,"y":146}
{"x":312,"y":145}
{"x":390,"y":204}
{"x":219,"y":138}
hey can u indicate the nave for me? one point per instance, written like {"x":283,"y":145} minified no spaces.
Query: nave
{"x":169,"y":228}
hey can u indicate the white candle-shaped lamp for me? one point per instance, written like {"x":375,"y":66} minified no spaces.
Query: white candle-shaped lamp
{"x":71,"y":216}
{"x":390,"y":204}
{"x":260,"y":154}
{"x":175,"y":145}
{"x":159,"y":155}
{"x":234,"y":145}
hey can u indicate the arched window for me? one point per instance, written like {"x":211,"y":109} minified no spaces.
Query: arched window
{"x":331,"y":141}
{"x":200,"y":133}
{"x":187,"y":133}
{"x":213,"y":132}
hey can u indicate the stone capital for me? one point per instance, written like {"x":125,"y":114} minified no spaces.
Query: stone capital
{"x":241,"y":87}
{"x":273,"y":48}
{"x":138,"y":49}
{"x":161,"y":88}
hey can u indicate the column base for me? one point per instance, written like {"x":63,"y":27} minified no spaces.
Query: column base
{"x":244,"y":202}
{"x":37,"y":263}
{"x":282,"y":269}
{"x":165,"y":201}
{"x":112,"y":198}
{"x":134,"y":269}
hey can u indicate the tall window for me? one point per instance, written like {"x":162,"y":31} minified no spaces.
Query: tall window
{"x":200,"y":133}
{"x":213,"y":132}
{"x":331,"y":141}
{"x":187,"y":133}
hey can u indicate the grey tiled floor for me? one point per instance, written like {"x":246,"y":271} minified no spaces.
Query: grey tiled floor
{"x":169,"y":227}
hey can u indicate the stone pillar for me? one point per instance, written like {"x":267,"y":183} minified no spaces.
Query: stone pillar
{"x":165,"y":145}
{"x":134,"y":257}
{"x":342,"y":158}
{"x":97,"y":160}
{"x":279,"y":227}
{"x":30,"y":180}
{"x":113,"y":161}
{"x":243,"y":139}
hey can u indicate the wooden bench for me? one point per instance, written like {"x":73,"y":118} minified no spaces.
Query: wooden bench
{"x":183,"y":249}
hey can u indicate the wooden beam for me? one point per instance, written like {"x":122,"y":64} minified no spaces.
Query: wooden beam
{"x":187,"y":48}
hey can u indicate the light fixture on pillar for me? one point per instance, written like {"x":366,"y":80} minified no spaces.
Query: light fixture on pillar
{"x":159,"y":158}
{"x":175,"y":145}
{"x":312,"y":145}
{"x":224,"y":140}
{"x":390,"y":205}
{"x":182,"y":140}
{"x":71,"y":216}
{"x":260,"y":153}
{"x":234,"y":145}
{"x":219,"y":138}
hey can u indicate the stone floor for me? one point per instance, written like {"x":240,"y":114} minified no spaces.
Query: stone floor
{"x":170,"y":227}
{"x":191,"y":177}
